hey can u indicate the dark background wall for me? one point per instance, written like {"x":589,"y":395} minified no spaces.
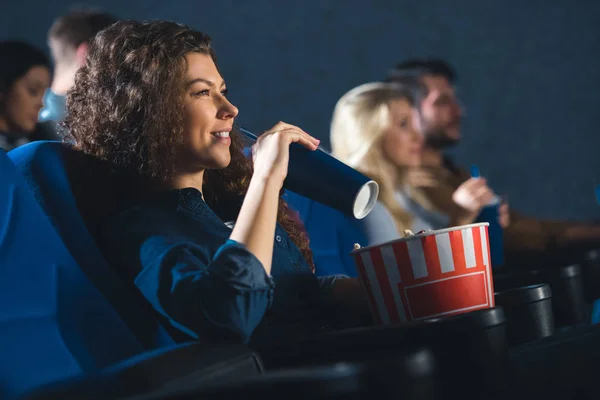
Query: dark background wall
{"x":528,"y":73}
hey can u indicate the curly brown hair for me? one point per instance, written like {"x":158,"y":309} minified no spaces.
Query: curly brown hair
{"x":126,"y":108}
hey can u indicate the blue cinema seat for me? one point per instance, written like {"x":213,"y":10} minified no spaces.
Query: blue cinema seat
{"x":332,"y":235}
{"x":57,"y":325}
{"x":69,"y":186}
{"x":53,"y":322}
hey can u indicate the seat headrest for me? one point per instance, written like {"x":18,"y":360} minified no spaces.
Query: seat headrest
{"x":62,"y":177}
{"x":65,"y":180}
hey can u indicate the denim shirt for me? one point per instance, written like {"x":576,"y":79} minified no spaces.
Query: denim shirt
{"x":178,"y":253}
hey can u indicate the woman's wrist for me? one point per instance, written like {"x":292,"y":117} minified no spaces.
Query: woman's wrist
{"x":255,"y":225}
{"x":266,"y":185}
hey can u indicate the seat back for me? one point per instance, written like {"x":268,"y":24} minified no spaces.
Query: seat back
{"x":64,"y":182}
{"x":54,"y":323}
{"x":332,"y":235}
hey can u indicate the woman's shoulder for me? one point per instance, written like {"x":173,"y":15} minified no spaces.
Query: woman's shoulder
{"x":379,"y":211}
{"x":151,"y":214}
{"x":379,"y":225}
{"x":380,"y":218}
{"x":174,"y":213}
{"x":140,"y":220}
{"x":9,"y":142}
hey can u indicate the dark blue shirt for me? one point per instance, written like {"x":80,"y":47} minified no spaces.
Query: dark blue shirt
{"x":177,"y":252}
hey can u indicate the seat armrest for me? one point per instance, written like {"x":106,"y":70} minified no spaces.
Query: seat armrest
{"x":182,"y":366}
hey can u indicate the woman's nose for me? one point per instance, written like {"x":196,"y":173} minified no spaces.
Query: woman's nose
{"x":418,"y":137}
{"x":40,"y":102}
{"x":228,"y":110}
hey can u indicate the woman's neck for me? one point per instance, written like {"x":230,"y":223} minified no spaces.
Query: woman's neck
{"x":3,"y":125}
{"x":432,"y":157}
{"x":186,"y":180}
{"x":11,"y":130}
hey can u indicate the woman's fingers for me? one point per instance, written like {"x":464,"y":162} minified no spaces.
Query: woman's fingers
{"x":473,"y":184}
{"x":294,"y":135}
{"x":483,"y":194}
{"x":271,"y":150}
{"x":284,"y":127}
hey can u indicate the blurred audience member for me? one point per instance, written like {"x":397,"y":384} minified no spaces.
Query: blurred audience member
{"x":68,"y":40}
{"x":441,"y":116}
{"x":376,"y":130}
{"x":24,"y":76}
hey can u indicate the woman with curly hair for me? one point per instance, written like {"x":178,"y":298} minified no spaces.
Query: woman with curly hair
{"x":209,"y":243}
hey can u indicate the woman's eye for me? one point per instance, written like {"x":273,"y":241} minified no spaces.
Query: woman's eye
{"x":404,"y":123}
{"x":225,"y":92}
{"x":205,"y":92}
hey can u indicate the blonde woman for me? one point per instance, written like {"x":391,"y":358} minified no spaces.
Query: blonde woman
{"x":375,"y":129}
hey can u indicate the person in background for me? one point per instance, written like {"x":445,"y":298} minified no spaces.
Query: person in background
{"x":205,"y":236}
{"x":526,"y":238}
{"x":68,"y":39}
{"x":24,"y":77}
{"x":376,"y":130}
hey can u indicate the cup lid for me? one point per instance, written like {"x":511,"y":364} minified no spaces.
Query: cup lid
{"x":479,"y":319}
{"x":592,"y":255}
{"x":524,"y":294}
{"x":365,"y":199}
{"x":570,"y":271}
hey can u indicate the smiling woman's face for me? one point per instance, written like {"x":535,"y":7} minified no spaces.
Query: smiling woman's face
{"x":21,"y":104}
{"x":208,"y":116}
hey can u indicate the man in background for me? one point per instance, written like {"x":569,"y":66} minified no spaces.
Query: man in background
{"x":68,"y":39}
{"x":526,"y":239}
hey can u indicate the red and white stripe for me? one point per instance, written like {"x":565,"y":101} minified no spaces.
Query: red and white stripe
{"x":395,"y":274}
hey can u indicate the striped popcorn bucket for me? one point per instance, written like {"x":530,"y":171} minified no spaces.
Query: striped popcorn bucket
{"x":433,"y":274}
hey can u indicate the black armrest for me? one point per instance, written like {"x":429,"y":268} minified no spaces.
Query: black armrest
{"x":560,"y":366}
{"x":471,"y":344}
{"x":410,"y":378}
{"x":556,"y":257}
{"x":183,"y":367}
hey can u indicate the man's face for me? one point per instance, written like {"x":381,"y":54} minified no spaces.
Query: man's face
{"x":440,"y":113}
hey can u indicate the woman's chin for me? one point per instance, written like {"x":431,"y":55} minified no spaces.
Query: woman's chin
{"x":220,"y":163}
{"x":415,"y":163}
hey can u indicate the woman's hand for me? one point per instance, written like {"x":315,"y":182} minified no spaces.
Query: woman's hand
{"x":271,"y":151}
{"x":255,"y":225}
{"x":471,"y":197}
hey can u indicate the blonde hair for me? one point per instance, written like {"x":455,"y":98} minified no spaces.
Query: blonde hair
{"x":360,"y":120}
